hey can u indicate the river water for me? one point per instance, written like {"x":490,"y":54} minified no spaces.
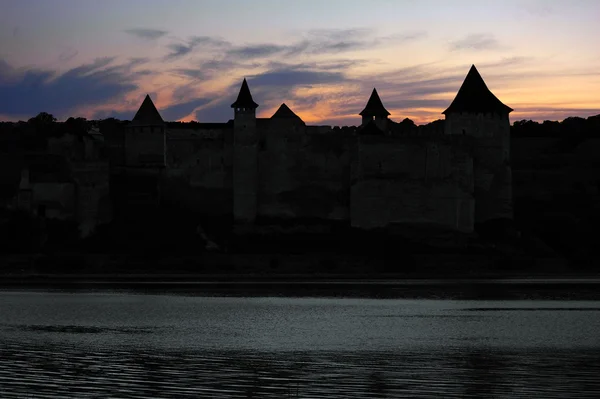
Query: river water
{"x":128,"y":345}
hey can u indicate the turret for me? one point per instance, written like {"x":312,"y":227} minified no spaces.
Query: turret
{"x":375,"y":111}
{"x":244,"y":105}
{"x":245,"y":157}
{"x":478,"y":113}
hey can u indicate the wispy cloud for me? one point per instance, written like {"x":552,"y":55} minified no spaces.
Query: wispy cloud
{"x":181,"y":110}
{"x":258,"y":50}
{"x":178,"y":50}
{"x":147,"y":34}
{"x":296,"y":76}
{"x":321,"y":42}
{"x":190,"y":73}
{"x":34,"y":90}
{"x":68,"y":55}
{"x":477,"y":42}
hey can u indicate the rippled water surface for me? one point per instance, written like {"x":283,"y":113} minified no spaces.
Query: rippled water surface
{"x":73,"y":345}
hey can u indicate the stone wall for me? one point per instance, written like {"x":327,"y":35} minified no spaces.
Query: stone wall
{"x":491,"y":162}
{"x":145,"y":146}
{"x":245,"y":178}
{"x":198,"y":176}
{"x":286,"y":170}
{"x":93,"y":194}
{"x":415,"y":180}
{"x":58,"y":199}
{"x":304,"y":173}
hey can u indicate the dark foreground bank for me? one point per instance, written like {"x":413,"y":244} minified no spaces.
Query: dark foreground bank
{"x":388,"y":286}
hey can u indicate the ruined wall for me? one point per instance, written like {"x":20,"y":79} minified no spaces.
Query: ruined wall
{"x":198,"y":176}
{"x":491,"y":162}
{"x":304,"y":172}
{"x":414,"y":180}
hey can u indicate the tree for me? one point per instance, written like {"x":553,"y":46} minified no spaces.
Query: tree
{"x":77,"y":126}
{"x":43,"y":118}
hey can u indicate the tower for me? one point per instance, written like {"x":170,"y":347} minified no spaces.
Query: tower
{"x":136,"y":183}
{"x":478,"y":113}
{"x":145,"y":141}
{"x":374,"y":110}
{"x":245,"y":157}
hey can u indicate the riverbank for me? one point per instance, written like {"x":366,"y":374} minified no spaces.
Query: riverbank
{"x":405,"y":265}
{"x":549,"y":288}
{"x":319,"y":275}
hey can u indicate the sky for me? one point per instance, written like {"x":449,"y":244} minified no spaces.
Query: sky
{"x":99,"y":58}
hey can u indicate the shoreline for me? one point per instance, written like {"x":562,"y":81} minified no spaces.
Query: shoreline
{"x":524,"y":288}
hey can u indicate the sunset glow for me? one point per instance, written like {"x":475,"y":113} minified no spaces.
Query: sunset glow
{"x":322,"y":58}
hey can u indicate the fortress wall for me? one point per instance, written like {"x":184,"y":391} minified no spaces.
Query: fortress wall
{"x":324,"y":129}
{"x":412,"y":180}
{"x":526,"y":149}
{"x":144,"y":145}
{"x":93,"y":194}
{"x":304,"y":175}
{"x":198,"y":176}
{"x":491,"y":157}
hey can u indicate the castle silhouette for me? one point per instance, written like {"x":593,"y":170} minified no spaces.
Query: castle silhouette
{"x":375,"y":175}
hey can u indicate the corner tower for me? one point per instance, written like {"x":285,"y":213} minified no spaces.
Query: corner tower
{"x":245,"y":157}
{"x":375,"y":111}
{"x":478,"y":113}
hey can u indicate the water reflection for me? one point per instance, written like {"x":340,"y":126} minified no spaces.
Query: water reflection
{"x":139,"y":346}
{"x":39,"y":372}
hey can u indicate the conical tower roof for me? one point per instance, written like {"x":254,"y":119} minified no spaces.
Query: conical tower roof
{"x":284,"y":112}
{"x":474,"y":96}
{"x":374,"y":106}
{"x":147,"y":114}
{"x":244,"y":99}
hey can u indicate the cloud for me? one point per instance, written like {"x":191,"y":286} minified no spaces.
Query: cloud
{"x":221,"y":64}
{"x":133,"y":62}
{"x":209,"y":69}
{"x":477,"y":42}
{"x":217,"y":111}
{"x":178,"y":50}
{"x":68,"y":55}
{"x":191,"y":73}
{"x":257,"y":51}
{"x":147,"y":34}
{"x":178,"y":111}
{"x":340,"y":34}
{"x":327,"y":41}
{"x":32,"y":91}
{"x":293,"y":76}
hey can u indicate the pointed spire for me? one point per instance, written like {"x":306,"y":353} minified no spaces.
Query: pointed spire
{"x":147,"y":114}
{"x":244,"y":99}
{"x":284,"y":112}
{"x":374,"y":106}
{"x":474,"y":96}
